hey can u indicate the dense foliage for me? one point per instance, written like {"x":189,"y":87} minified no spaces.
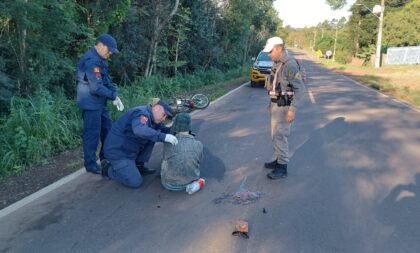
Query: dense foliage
{"x":166,"y":46}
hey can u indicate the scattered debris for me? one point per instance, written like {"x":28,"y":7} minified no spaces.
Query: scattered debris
{"x":240,"y":197}
{"x":241,"y":229}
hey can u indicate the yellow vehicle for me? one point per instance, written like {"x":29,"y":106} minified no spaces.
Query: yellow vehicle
{"x":260,"y":68}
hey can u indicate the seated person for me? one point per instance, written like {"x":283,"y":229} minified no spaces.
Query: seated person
{"x":181,"y":163}
{"x":130,"y":142}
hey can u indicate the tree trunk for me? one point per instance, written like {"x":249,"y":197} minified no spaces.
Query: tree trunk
{"x":151,"y":56}
{"x":23,"y":33}
{"x":176,"y":55}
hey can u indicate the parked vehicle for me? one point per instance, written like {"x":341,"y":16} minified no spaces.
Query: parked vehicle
{"x":259,"y":69}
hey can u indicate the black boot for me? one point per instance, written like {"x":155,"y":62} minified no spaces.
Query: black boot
{"x":105,"y":165}
{"x":144,"y":170}
{"x":279,"y":172}
{"x":95,"y":170}
{"x":270,"y":165}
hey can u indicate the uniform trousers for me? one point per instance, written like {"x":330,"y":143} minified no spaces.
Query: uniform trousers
{"x":96,"y":125}
{"x":125,"y":170}
{"x":280,"y":132}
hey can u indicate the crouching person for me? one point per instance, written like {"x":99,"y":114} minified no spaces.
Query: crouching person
{"x":181,"y":163}
{"x":131,"y":140}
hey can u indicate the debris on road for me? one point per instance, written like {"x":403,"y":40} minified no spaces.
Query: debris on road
{"x":241,"y":229}
{"x":240,"y":197}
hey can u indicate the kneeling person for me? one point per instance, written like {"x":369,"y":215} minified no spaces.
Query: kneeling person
{"x":181,"y":163}
{"x":131,"y":140}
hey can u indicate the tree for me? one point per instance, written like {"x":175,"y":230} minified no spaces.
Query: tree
{"x":162,"y":12}
{"x":179,"y":29}
{"x":336,"y":4}
{"x":401,"y":25}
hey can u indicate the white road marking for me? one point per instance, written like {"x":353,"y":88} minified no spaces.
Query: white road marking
{"x":40,"y":193}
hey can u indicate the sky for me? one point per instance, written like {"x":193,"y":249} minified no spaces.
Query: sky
{"x":301,"y":13}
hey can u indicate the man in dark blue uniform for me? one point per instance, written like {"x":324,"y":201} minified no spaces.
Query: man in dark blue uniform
{"x":130,"y":142}
{"x":94,"y":89}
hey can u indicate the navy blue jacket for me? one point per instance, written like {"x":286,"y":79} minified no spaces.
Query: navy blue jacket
{"x":132,"y":132}
{"x":94,"y":86}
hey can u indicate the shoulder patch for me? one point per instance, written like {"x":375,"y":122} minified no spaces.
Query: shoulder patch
{"x":97,"y":72}
{"x":298,"y":76}
{"x":143,"y":119}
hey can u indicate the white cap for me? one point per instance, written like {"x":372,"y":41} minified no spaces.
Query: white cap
{"x":271,"y":42}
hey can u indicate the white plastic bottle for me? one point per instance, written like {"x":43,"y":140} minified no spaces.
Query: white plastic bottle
{"x":195,"y":186}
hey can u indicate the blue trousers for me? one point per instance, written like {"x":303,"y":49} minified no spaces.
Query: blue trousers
{"x":125,"y":170}
{"x":96,"y":124}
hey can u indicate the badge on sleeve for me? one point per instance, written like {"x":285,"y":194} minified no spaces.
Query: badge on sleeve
{"x":143,"y":119}
{"x":97,"y":72}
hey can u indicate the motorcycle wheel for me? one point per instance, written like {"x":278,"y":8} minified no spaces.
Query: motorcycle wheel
{"x":201,"y":101}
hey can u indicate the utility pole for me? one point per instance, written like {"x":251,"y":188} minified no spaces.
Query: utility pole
{"x":335,"y":41}
{"x":378,"y":9}
{"x":379,"y":41}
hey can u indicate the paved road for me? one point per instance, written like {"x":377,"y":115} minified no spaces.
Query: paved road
{"x":353,"y":186}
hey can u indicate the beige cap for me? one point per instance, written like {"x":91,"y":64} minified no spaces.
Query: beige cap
{"x":271,"y":42}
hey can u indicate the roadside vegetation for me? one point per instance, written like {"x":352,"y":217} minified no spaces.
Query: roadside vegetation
{"x":47,"y":123}
{"x":166,"y":47}
{"x":354,"y":40}
{"x":357,"y":35}
{"x":399,"y":81}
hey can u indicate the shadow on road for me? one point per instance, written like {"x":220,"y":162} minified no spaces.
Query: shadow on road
{"x":212,"y":166}
{"x":399,"y":210}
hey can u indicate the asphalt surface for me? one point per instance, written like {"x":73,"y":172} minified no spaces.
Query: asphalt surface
{"x":353,"y":185}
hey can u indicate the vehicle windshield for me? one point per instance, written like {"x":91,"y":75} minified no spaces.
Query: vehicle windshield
{"x":263,"y":57}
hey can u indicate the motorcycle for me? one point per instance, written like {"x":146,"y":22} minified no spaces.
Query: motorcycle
{"x":188,"y":104}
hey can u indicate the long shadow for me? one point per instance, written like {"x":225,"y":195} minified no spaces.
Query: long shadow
{"x":212,"y":166}
{"x":400,"y":210}
{"x":318,"y":139}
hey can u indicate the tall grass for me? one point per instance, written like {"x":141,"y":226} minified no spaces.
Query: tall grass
{"x":36,"y":128}
{"x":47,"y":123}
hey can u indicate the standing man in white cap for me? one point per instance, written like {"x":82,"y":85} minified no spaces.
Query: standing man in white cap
{"x":284,"y":86}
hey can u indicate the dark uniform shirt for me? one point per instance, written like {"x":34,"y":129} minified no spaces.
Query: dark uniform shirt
{"x":289,"y":78}
{"x":132,"y":132}
{"x":94,"y":86}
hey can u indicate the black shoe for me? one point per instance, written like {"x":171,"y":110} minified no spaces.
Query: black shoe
{"x":144,"y":170}
{"x":271,"y":165}
{"x":95,"y":170}
{"x":105,"y":165}
{"x":279,"y":172}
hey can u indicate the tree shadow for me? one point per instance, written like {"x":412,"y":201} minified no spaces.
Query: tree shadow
{"x":400,"y":211}
{"x":305,"y":154}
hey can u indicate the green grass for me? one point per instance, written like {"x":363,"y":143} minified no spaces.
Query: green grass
{"x":47,"y":123}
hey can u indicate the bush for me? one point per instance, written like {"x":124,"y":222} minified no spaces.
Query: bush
{"x":47,"y":123}
{"x":37,"y":128}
